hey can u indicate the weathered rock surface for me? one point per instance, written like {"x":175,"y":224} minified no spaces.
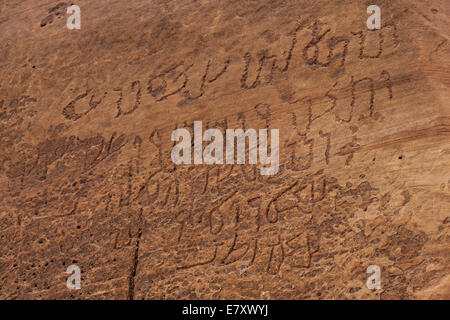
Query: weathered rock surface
{"x":86,"y":176}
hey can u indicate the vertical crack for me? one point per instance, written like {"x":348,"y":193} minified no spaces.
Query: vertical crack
{"x":132,"y":278}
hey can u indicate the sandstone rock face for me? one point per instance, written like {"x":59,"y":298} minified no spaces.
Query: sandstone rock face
{"x":86,"y":176}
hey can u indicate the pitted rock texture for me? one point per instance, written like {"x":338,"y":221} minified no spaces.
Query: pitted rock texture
{"x":86,"y":176}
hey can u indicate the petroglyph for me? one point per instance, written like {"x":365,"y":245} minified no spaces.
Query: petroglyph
{"x":86,"y":175}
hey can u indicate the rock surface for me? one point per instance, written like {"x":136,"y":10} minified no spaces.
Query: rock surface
{"x":86,"y":176}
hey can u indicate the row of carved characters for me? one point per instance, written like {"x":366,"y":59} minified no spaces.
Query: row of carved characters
{"x":282,"y":227}
{"x":177,"y":79}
